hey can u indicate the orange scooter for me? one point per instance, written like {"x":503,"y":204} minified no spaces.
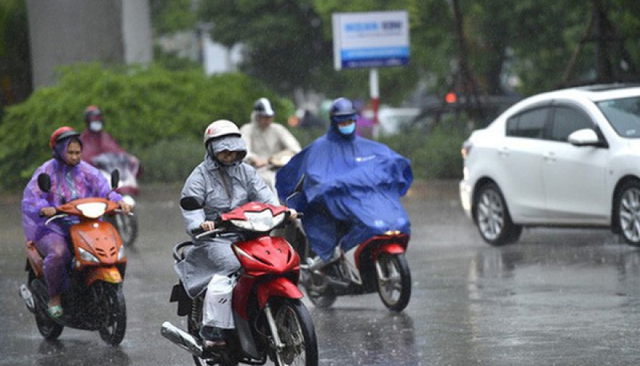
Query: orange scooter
{"x":96,"y":299}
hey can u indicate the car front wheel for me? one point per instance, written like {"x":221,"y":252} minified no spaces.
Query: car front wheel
{"x":492,"y":217}
{"x":627,"y":211}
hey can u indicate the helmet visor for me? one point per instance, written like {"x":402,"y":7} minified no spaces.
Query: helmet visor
{"x":343,"y":119}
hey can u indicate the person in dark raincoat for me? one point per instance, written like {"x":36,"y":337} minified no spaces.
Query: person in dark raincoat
{"x":351,"y":187}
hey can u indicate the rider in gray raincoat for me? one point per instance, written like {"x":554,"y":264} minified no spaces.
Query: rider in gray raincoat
{"x":222,"y":185}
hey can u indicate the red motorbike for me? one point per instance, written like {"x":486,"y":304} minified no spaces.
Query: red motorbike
{"x":96,"y":299}
{"x":271,"y":321}
{"x":377,"y":265}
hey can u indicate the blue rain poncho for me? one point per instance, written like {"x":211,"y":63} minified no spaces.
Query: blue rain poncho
{"x":351,"y":190}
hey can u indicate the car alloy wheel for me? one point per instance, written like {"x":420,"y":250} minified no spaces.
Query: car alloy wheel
{"x":628,"y":211}
{"x":492,"y":217}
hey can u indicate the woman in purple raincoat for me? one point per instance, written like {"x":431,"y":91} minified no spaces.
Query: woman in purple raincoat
{"x":71,"y":178}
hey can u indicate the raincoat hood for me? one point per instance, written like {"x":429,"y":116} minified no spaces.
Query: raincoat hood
{"x":229,"y":143}
{"x":60,"y":149}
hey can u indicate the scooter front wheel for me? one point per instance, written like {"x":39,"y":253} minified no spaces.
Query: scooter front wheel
{"x":297,"y":334}
{"x":115,"y":314}
{"x":394,"y":280}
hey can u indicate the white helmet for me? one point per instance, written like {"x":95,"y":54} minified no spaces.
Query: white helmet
{"x":262,"y":107}
{"x":221,"y":127}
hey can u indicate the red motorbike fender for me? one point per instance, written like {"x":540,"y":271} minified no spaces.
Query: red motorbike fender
{"x":280,"y":287}
{"x":390,"y":248}
{"x":106,"y":274}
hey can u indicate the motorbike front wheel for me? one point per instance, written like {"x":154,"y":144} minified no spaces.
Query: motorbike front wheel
{"x":115,"y":314}
{"x":297,"y":333}
{"x":394,"y":280}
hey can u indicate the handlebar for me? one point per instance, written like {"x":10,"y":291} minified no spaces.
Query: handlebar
{"x":199,"y":233}
{"x":55,"y":217}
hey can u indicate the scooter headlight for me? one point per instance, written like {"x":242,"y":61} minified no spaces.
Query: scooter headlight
{"x":262,"y":221}
{"x":92,"y":210}
{"x":86,"y":256}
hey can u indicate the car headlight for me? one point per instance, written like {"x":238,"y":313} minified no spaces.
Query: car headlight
{"x":86,"y":256}
{"x":92,"y":210}
{"x":262,"y":221}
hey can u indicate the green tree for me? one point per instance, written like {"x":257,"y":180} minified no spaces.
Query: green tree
{"x":142,"y":106}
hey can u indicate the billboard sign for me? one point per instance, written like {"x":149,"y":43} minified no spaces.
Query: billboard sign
{"x":370,"y":39}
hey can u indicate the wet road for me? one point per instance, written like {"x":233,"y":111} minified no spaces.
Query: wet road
{"x":558,"y":297}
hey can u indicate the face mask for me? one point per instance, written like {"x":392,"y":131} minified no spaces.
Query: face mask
{"x":348,"y":129}
{"x":95,"y":126}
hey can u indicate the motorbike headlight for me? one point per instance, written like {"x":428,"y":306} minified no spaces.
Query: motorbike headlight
{"x":86,"y":256}
{"x":92,"y":210}
{"x":262,"y":221}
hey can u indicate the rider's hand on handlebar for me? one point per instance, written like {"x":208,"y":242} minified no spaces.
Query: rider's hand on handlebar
{"x":125,"y":207}
{"x":258,"y":162}
{"x":293,"y":214}
{"x":47,"y":211}
{"x":208,"y":225}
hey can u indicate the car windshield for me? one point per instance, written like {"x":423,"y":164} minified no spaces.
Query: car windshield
{"x":623,"y":114}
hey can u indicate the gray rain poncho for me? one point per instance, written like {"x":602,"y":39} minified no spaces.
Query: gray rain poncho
{"x":221,"y":188}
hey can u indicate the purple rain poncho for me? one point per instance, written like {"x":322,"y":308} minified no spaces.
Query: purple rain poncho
{"x":67,"y":183}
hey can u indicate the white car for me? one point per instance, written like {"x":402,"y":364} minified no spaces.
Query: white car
{"x":564,"y":158}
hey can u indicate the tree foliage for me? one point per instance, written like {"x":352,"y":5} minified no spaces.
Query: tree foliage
{"x":289,"y":42}
{"x":141,"y":106}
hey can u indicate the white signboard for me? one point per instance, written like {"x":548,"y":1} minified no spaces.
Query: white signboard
{"x":371,"y":39}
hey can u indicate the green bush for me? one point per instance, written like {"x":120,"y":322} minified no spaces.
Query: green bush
{"x":434,"y":154}
{"x":170,"y":161}
{"x":143,"y":107}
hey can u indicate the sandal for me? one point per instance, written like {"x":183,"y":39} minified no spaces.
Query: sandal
{"x":55,"y":311}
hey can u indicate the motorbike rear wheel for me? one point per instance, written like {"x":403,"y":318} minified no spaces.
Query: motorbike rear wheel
{"x":297,"y":333}
{"x":319,"y":291}
{"x":48,"y":328}
{"x":394,"y":281}
{"x":115,"y":322}
{"x":194,"y":323}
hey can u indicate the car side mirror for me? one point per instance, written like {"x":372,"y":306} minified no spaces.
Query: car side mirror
{"x":44,"y":182}
{"x":584,"y":137}
{"x":190,"y":203}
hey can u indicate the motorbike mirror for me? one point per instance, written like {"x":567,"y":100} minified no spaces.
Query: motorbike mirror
{"x":115,"y":178}
{"x":190,"y":203}
{"x":44,"y":182}
{"x":298,"y":188}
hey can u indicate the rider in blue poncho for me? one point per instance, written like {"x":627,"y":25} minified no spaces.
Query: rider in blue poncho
{"x":351,"y":186}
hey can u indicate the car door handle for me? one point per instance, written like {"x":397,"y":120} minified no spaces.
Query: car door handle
{"x":549,"y":157}
{"x":503,"y":151}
